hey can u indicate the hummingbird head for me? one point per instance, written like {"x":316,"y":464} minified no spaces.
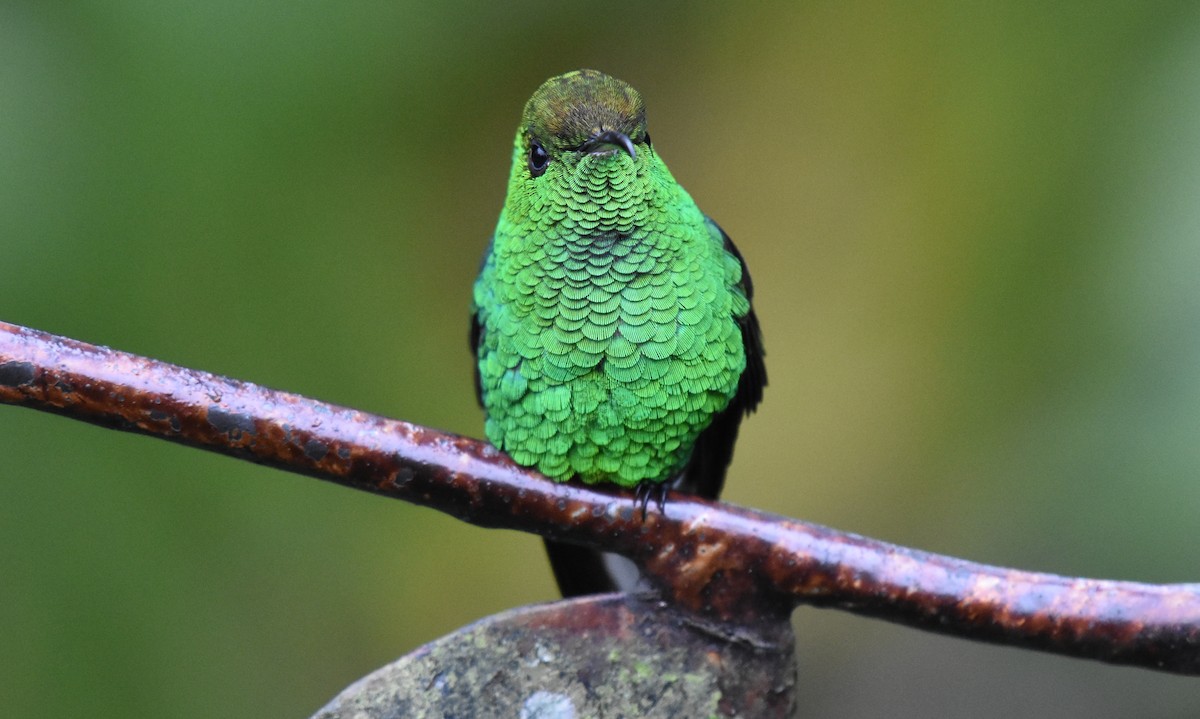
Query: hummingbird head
{"x":582,"y":140}
{"x":585,"y":111}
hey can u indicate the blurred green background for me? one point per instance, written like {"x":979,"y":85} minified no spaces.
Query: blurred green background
{"x":974,"y":231}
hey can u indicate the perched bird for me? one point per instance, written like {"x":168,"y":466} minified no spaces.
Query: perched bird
{"x":612,"y":326}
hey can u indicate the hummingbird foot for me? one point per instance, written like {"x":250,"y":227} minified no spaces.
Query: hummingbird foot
{"x":647,"y":490}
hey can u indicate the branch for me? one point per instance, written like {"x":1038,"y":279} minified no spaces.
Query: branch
{"x":737,"y":570}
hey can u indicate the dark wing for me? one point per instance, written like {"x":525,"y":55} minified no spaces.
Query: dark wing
{"x":704,"y":474}
{"x":475,"y":336}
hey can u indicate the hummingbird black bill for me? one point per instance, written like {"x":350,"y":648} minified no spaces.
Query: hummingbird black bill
{"x":607,"y":141}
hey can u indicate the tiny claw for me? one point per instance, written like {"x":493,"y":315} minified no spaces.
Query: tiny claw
{"x":646,"y":490}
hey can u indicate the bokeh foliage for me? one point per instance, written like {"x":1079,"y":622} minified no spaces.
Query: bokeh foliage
{"x":974,"y":230}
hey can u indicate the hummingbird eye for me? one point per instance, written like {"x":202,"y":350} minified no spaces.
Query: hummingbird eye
{"x":538,"y":158}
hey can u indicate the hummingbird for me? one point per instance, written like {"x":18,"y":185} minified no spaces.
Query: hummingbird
{"x":612,"y":326}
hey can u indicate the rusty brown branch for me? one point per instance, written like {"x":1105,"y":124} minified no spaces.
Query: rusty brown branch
{"x":736,"y":569}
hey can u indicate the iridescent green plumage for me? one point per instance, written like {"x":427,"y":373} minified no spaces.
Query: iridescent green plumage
{"x":612,"y":318}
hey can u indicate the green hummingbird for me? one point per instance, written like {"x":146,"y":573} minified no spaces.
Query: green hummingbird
{"x":612,"y":323}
